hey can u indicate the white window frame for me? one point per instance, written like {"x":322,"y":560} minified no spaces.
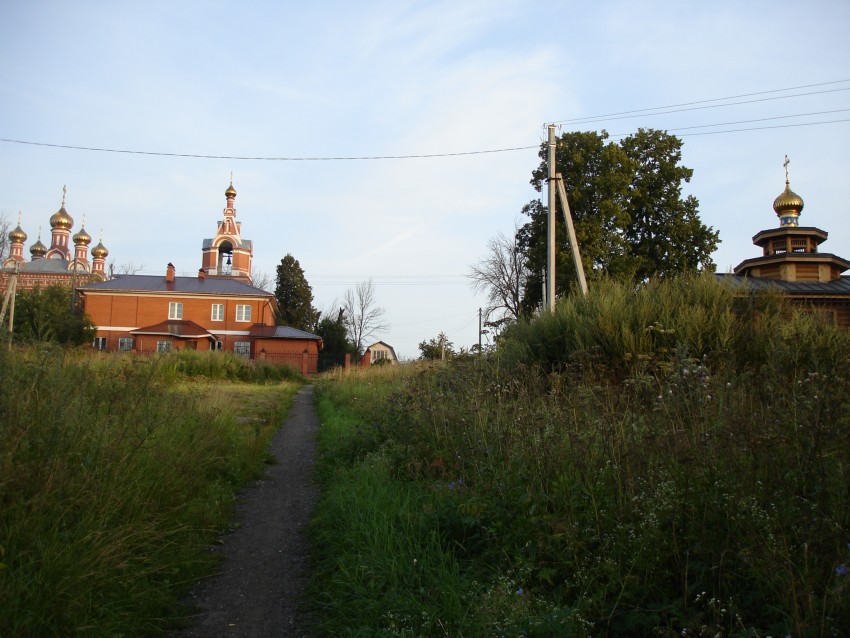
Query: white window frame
{"x":175,"y":310}
{"x":217,"y":312}
{"x":242,"y":348}
{"x":124,"y":342}
{"x":163,"y":346}
{"x":243,"y":312}
{"x":99,"y":343}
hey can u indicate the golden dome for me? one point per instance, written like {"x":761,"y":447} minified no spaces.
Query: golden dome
{"x":38,"y":249}
{"x":99,"y":251}
{"x":230,"y":192}
{"x":18,"y":236}
{"x":61,"y":219}
{"x":788,"y":202}
{"x":82,"y":237}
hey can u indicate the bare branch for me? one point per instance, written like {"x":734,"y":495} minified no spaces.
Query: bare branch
{"x":363,"y":317}
{"x":502,"y":275}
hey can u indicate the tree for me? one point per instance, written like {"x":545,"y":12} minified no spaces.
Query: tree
{"x":437,"y":348}
{"x":43,"y":315}
{"x":262,"y":280}
{"x":335,"y":342}
{"x":630,"y":218}
{"x":294,"y":296}
{"x":5,"y":229}
{"x":502,"y":274}
{"x":363,"y":317}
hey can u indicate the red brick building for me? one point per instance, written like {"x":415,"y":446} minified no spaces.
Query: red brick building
{"x":219,"y":309}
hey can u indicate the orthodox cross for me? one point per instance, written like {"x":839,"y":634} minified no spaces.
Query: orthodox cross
{"x":785,"y":164}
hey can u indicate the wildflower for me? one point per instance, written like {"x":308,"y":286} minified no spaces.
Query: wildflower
{"x":842,"y":570}
{"x":519,"y":592}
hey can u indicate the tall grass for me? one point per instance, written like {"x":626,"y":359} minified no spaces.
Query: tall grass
{"x":112,"y":486}
{"x":686,"y":475}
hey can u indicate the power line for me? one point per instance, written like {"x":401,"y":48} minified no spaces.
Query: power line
{"x":761,"y":119}
{"x":718,"y":99}
{"x":267,"y":159}
{"x":740,"y":130}
{"x":660,"y":110}
{"x":701,"y":108}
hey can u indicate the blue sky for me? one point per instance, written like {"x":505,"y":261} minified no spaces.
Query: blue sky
{"x":333,"y":79}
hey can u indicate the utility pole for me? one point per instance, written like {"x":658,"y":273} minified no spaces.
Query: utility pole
{"x":550,"y":242}
{"x":571,"y":231}
{"x":9,"y":302}
{"x":479,"y":331}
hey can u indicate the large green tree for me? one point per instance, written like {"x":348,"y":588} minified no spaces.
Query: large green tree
{"x":631,"y":219}
{"x":294,"y":296}
{"x":50,"y":314}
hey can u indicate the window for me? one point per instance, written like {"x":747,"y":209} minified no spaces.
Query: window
{"x":99,"y":343}
{"x":218,"y":312}
{"x":378,"y":355}
{"x":125,"y":344}
{"x":175,"y":310}
{"x":243,"y":312}
{"x":163,"y":346}
{"x":242,"y":347}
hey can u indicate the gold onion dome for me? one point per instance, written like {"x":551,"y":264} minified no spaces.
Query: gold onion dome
{"x":230,"y":192}
{"x":82,"y":237}
{"x":61,"y":219}
{"x":38,"y":249}
{"x":99,"y":251}
{"x":788,"y":202}
{"x":18,"y":236}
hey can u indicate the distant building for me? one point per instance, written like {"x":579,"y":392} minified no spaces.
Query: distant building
{"x":791,"y":261}
{"x":379,"y":352}
{"x":65,"y":262}
{"x":219,"y":309}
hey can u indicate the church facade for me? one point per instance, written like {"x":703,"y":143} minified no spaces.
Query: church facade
{"x":792,"y":261}
{"x":68,"y":261}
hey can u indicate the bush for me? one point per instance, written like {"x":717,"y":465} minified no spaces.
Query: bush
{"x":685,"y":475}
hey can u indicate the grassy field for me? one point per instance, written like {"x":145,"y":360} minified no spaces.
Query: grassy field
{"x":667,"y":462}
{"x":116,"y":474}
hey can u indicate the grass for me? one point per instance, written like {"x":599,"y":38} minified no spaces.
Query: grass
{"x":681,"y":478}
{"x":115,"y":475}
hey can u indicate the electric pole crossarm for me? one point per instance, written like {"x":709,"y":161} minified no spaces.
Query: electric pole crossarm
{"x":568,"y":219}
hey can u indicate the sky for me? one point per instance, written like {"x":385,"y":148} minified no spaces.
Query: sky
{"x":297,"y":80}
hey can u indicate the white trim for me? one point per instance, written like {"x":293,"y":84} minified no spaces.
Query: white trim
{"x":238,"y":333}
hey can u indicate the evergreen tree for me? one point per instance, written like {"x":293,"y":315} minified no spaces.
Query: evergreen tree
{"x":334,"y":334}
{"x":294,"y":296}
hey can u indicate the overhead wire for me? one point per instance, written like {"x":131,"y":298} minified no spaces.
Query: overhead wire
{"x":718,"y":99}
{"x":661,"y":110}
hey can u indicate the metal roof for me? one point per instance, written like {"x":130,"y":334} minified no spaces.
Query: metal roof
{"x":208,"y":285}
{"x":175,"y":328}
{"x":282,"y":332}
{"x":836,"y":287}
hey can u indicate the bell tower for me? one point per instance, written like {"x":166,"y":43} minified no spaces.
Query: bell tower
{"x":227,"y":254}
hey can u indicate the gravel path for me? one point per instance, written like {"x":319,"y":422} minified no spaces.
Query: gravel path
{"x":262,"y":579}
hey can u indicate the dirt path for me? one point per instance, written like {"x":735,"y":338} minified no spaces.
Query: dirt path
{"x":262,"y":579}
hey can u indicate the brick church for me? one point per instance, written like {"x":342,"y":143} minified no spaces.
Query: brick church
{"x":218,"y":309}
{"x":68,"y":261}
